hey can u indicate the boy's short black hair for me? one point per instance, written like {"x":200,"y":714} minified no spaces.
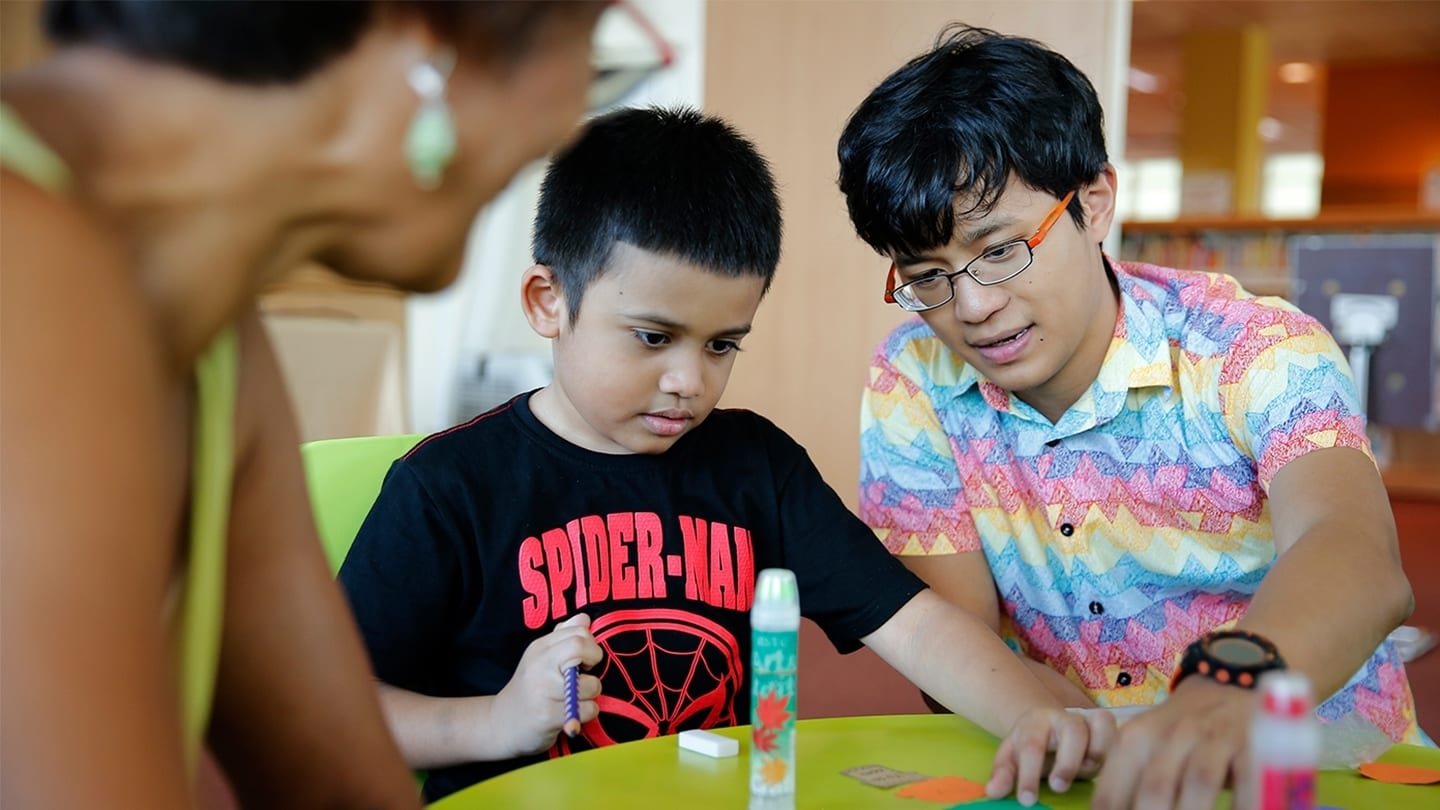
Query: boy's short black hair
{"x":281,"y":41}
{"x":952,"y":126}
{"x":670,"y":181}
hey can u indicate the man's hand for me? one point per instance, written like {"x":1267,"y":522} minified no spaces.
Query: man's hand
{"x":1073,"y":744}
{"x":530,"y":710}
{"x":1181,"y":753}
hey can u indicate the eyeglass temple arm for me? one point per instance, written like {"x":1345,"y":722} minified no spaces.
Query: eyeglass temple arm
{"x":1050,"y":221}
{"x":667,"y":51}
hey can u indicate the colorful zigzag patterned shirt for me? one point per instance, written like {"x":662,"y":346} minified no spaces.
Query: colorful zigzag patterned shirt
{"x":1140,"y":520}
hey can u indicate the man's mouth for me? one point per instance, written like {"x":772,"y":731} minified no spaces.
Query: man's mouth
{"x":1001,"y":341}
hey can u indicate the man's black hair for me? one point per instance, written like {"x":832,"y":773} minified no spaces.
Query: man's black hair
{"x":280,"y":41}
{"x":940,"y":138}
{"x":669,"y":181}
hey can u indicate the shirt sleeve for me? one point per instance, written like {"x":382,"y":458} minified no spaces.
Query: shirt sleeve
{"x":1286,"y":390}
{"x":849,"y":585}
{"x":911,"y":491}
{"x":403,"y":577}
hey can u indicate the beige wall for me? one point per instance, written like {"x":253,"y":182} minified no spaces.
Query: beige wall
{"x":788,"y":73}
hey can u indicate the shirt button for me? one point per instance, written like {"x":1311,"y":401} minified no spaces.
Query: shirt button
{"x":1096,"y":608}
{"x":1066,"y":529}
{"x":1123,"y":679}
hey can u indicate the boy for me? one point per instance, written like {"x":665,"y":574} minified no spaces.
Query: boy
{"x":1110,"y":464}
{"x":614,"y":518}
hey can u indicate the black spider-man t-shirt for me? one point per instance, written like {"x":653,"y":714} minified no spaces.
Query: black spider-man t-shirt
{"x":486,"y":536}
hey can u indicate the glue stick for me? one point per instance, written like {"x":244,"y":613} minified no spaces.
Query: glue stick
{"x":1285,"y":743}
{"x":774,"y":641}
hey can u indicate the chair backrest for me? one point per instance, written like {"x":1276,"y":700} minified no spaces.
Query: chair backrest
{"x":344,"y":476}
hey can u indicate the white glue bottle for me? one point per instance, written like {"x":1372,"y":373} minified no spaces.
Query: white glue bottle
{"x":1285,"y":743}
{"x":774,"y":645}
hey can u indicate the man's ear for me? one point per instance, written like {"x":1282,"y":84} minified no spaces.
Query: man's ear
{"x":1098,"y":200}
{"x":542,"y":301}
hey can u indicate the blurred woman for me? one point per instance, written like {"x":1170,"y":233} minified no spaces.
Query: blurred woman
{"x":163,"y":587}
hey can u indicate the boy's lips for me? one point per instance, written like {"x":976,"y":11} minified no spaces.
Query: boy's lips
{"x":669,"y":422}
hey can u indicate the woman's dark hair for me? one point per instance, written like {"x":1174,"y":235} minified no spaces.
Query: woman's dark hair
{"x":670,"y":181}
{"x":951,"y":127}
{"x":277,"y":41}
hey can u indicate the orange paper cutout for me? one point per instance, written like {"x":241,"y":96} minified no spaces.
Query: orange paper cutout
{"x":1400,"y":774}
{"x":949,"y":789}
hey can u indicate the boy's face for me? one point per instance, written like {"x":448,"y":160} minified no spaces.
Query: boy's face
{"x":649,"y":355}
{"x":1044,"y":333}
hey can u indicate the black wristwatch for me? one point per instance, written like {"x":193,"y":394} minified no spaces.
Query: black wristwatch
{"x":1232,"y":657}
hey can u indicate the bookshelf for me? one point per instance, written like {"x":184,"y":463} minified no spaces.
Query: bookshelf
{"x":1254,"y":250}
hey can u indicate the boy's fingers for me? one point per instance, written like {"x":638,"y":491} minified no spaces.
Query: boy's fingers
{"x":578,"y":620}
{"x":589,"y":710}
{"x":1030,"y":753}
{"x":1073,"y":735}
{"x":1103,"y":731}
{"x":588,"y":687}
{"x":1002,"y":773}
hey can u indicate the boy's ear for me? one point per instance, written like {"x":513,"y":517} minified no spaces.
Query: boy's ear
{"x":540,"y":298}
{"x":1098,"y":199}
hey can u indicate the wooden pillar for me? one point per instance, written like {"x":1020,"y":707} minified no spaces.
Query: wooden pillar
{"x":1226,"y":74}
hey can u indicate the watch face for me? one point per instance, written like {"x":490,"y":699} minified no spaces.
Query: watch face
{"x":1239,"y":652}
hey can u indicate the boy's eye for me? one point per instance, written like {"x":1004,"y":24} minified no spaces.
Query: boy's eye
{"x":724,"y":346}
{"x":652,"y":339}
{"x":929,"y":281}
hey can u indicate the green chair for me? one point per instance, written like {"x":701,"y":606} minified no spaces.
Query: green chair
{"x":344,"y":476}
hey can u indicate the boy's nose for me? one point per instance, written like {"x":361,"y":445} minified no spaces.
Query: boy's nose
{"x":975,"y":302}
{"x":684,"y":378}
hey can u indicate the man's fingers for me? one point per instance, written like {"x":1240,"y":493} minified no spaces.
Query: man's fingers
{"x":1115,"y":787}
{"x":1159,"y":785}
{"x":1204,"y":775}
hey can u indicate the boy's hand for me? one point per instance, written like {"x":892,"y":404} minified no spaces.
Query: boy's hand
{"x":1180,"y":753}
{"x":530,"y":710}
{"x":1073,"y":743}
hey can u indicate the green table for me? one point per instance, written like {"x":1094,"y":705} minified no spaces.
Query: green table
{"x":657,"y":773}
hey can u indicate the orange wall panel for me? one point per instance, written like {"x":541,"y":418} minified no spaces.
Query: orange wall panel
{"x":1381,"y":133}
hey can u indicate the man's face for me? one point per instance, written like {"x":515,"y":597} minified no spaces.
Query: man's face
{"x":649,"y":354}
{"x":1044,"y":333}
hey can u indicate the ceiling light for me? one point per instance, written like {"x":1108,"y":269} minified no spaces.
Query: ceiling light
{"x":1142,"y":81}
{"x":1297,"y":72}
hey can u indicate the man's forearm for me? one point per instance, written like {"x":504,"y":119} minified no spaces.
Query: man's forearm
{"x":1327,"y":604}
{"x":437,"y":732}
{"x":958,"y":659}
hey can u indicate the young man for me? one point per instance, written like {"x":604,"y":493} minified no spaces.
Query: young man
{"x":616,"y":519}
{"x":1110,"y":464}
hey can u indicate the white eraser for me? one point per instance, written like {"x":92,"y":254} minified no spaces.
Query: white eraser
{"x":709,"y":743}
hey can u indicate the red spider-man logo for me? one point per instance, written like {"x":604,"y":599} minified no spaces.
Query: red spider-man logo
{"x":683,"y":671}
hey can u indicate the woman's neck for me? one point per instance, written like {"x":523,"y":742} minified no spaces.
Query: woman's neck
{"x":216,"y":189}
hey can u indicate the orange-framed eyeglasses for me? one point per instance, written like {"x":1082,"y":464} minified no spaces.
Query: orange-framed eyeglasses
{"x":996,"y":265}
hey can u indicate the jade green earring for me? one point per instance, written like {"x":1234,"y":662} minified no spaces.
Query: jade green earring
{"x":430,"y":141}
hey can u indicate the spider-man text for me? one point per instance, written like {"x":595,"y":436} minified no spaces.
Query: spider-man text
{"x":623,"y":556}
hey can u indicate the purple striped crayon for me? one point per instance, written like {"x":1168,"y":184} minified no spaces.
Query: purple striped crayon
{"x":572,"y":702}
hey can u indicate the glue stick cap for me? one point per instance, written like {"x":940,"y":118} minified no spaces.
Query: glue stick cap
{"x":1285,"y":694}
{"x":777,"y":601}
